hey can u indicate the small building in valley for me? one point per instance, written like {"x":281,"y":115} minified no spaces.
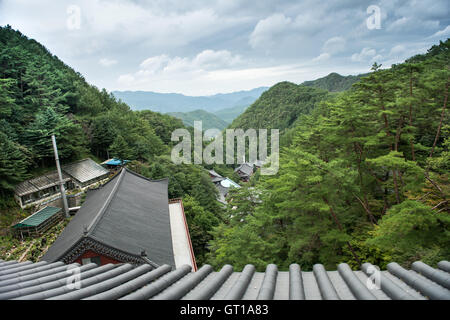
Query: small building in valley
{"x":245,"y":171}
{"x":223,"y":184}
{"x":128,"y":219}
{"x":38,"y":222}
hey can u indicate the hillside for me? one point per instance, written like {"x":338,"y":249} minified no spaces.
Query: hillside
{"x":334,"y":82}
{"x":209,"y":120}
{"x":175,"y":102}
{"x":279,"y":107}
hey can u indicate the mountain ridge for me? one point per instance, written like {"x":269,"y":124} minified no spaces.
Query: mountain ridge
{"x":177,"y":102}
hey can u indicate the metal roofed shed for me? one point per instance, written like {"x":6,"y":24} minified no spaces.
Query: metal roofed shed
{"x":43,"y":280}
{"x":38,"y":222}
{"x":42,"y":187}
{"x":125,"y":220}
{"x":80,"y":174}
{"x":85,"y":172}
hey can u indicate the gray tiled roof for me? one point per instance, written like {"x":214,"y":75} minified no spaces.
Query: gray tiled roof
{"x":245,"y":168}
{"x":129,"y":213}
{"x":213,"y":173}
{"x":130,"y":282}
{"x":85,"y":170}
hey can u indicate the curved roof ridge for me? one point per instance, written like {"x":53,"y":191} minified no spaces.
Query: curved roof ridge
{"x":102,"y":210}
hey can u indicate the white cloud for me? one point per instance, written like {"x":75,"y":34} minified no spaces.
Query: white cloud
{"x":377,"y":58}
{"x":107,"y":62}
{"x":365,"y":55}
{"x":322,"y":57}
{"x":210,"y":59}
{"x":205,"y":82}
{"x":126,"y":79}
{"x":269,"y":28}
{"x":334,"y":45}
{"x":442,"y":33}
{"x":163,"y":68}
{"x":397,"y":50}
{"x":155,"y":64}
{"x":205,"y":60}
{"x":412,"y":23}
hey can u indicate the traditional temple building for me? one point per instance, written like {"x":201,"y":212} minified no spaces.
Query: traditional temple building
{"x":127,"y":219}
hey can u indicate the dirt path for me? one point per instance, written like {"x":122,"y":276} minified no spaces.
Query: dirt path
{"x":22,"y":257}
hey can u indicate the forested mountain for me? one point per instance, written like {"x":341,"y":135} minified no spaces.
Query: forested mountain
{"x":209,"y":120}
{"x":41,"y":96}
{"x":364,"y":177}
{"x":279,"y":107}
{"x":175,"y":102}
{"x":334,"y":82}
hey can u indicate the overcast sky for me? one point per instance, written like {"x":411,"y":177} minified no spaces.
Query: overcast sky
{"x":202,"y":47}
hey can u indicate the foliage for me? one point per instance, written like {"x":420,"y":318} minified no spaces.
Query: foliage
{"x":334,"y":82}
{"x":209,"y":120}
{"x":413,"y":231}
{"x":363,"y":174}
{"x":279,"y":107}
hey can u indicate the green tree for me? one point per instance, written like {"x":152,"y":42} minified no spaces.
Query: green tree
{"x":14,"y":161}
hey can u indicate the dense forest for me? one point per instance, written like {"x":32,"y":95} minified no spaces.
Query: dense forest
{"x":334,"y":82}
{"x":209,"y":120}
{"x":41,"y":96}
{"x":363,"y":175}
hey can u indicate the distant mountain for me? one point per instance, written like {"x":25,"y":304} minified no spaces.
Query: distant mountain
{"x":229,"y":114}
{"x":334,"y":82}
{"x":175,"y":102}
{"x":209,"y":120}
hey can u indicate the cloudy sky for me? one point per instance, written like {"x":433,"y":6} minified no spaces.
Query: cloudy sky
{"x":202,"y":47}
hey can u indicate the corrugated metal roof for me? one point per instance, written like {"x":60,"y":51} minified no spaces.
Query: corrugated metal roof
{"x":42,"y":280}
{"x":129,"y":213}
{"x":38,"y":217}
{"x":39,"y":183}
{"x":85,"y":170}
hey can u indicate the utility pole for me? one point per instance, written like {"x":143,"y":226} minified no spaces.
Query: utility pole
{"x":61,"y":182}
